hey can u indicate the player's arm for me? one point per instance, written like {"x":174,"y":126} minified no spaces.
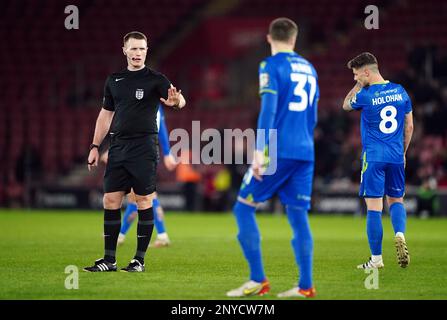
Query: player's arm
{"x":269,"y":104}
{"x":409,"y":128}
{"x":163,"y":137}
{"x":268,"y":90}
{"x":408,"y":124}
{"x":347,"y":103}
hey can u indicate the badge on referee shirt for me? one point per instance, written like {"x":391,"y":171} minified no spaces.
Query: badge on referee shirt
{"x":139,"y":94}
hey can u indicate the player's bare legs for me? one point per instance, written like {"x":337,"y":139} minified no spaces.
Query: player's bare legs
{"x":398,"y":219}
{"x":375,"y":204}
{"x":374,"y":230}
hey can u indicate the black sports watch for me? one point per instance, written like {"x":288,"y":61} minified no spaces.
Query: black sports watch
{"x":93,"y":146}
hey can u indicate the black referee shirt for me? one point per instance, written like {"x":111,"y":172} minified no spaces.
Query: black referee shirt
{"x":134,"y":96}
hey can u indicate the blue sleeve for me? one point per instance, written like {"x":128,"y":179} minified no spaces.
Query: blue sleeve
{"x":408,"y":105}
{"x":267,"y":78}
{"x":358,"y":101}
{"x":163,"y":133}
{"x":269,"y":104}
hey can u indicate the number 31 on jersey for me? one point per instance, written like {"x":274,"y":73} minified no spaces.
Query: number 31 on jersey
{"x":306,"y":99}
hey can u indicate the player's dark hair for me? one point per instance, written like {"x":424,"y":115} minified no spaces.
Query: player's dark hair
{"x":283,"y":29}
{"x":361,"y":60}
{"x":134,"y":35}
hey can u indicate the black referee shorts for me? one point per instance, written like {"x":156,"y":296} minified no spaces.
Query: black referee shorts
{"x":132,"y":164}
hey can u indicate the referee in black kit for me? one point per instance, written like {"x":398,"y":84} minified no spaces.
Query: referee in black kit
{"x":131,"y":99}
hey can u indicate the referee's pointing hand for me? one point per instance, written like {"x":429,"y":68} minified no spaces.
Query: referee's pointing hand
{"x":173,"y":98}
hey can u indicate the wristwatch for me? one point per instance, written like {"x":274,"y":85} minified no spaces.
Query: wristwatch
{"x":93,"y":146}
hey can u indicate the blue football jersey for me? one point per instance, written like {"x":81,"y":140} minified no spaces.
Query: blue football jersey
{"x":384,"y":106}
{"x":293,"y":80}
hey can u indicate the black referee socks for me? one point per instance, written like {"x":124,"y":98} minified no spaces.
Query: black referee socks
{"x":112,"y":226}
{"x":144,"y":232}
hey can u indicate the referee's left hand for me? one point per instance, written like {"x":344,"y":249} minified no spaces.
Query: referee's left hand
{"x":173,"y":98}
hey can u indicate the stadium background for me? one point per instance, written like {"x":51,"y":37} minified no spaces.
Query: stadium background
{"x":50,"y":95}
{"x":53,"y":79}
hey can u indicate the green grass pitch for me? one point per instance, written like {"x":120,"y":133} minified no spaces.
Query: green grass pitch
{"x":204,"y":260}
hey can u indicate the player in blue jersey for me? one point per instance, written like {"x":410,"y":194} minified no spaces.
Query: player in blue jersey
{"x":289,"y":97}
{"x":386,"y":128}
{"x":162,"y":239}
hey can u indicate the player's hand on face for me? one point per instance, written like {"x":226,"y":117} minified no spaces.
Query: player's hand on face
{"x":93,"y":158}
{"x":170,"y":162}
{"x":173,"y":97}
{"x":358,"y":86}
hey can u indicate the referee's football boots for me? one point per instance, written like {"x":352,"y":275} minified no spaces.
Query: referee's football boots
{"x":101,"y":265}
{"x":134,"y":266}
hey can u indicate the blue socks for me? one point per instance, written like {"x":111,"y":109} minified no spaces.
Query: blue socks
{"x":128,"y":219}
{"x":159,"y":223}
{"x":374,"y":231}
{"x":398,"y":217}
{"x":132,"y":209}
{"x":250,"y":239}
{"x":302,"y":244}
{"x":374,"y":227}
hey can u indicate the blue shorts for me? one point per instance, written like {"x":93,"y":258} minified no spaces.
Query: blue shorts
{"x":379,"y":178}
{"x":292,"y":181}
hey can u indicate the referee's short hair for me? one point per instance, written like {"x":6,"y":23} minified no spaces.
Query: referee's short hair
{"x":283,"y":29}
{"x":134,"y":35}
